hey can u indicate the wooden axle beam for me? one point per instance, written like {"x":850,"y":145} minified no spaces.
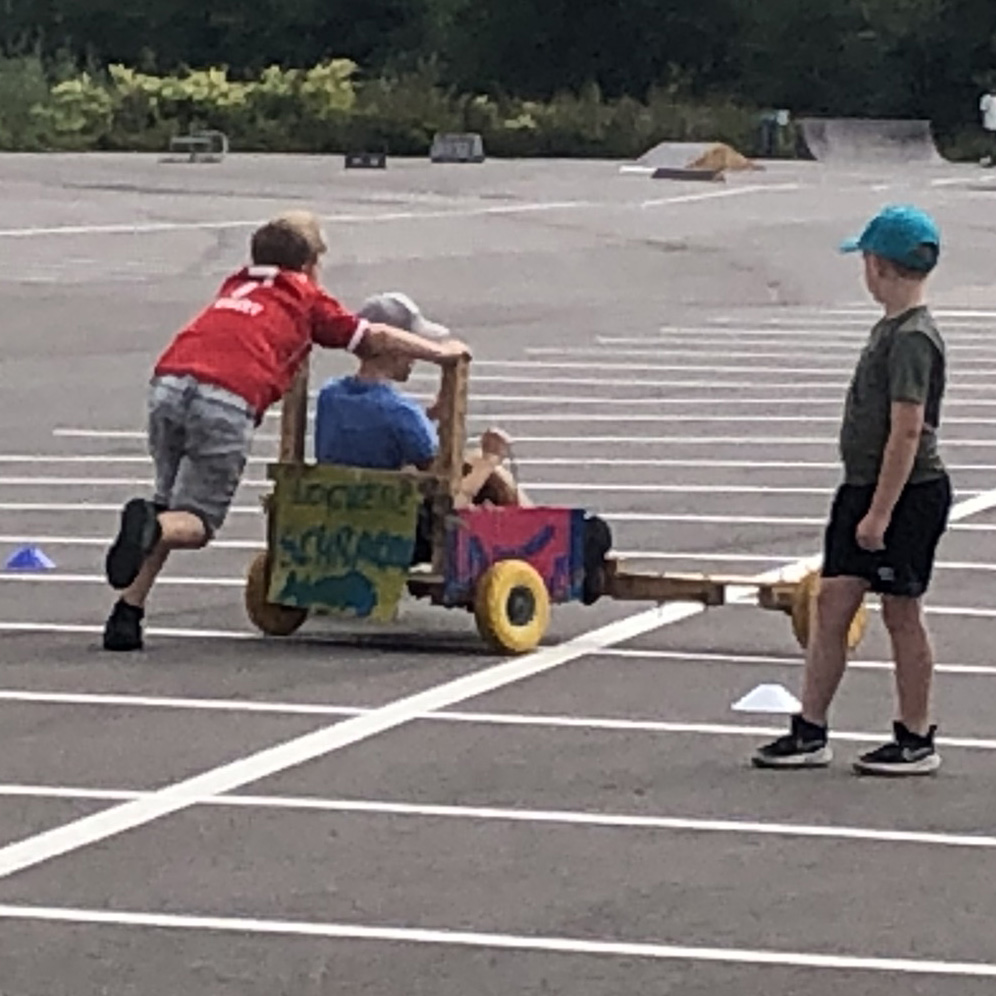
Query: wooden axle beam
{"x":625,"y":585}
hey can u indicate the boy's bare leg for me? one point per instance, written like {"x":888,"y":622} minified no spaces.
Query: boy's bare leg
{"x":137,"y":592}
{"x":806,"y":743}
{"x":914,"y":660}
{"x":180,"y":531}
{"x":826,"y":655}
{"x":481,"y":468}
{"x":495,"y":447}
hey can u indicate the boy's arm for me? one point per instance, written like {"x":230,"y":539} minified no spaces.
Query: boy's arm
{"x":334,"y":327}
{"x":897,"y":462}
{"x":910,"y":364}
{"x":379,"y":339}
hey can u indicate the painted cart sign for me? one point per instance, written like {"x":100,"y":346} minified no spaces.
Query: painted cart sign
{"x":342,"y":539}
{"x":549,"y":539}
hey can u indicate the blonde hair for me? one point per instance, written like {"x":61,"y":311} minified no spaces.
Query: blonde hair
{"x":306,"y":224}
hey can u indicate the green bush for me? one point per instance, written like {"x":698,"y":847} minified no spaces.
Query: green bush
{"x":332,"y":108}
{"x":24,"y":90}
{"x":329,"y":108}
{"x":78,"y":113}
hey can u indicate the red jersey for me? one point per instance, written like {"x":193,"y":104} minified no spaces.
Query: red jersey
{"x":252,"y":339}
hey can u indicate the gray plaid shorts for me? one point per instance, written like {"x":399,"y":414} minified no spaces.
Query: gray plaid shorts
{"x":199,"y":439}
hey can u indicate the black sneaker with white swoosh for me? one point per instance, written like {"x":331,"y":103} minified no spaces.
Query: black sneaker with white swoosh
{"x":908,"y":754}
{"x":804,"y":746}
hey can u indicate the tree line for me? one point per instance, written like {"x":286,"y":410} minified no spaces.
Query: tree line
{"x":897,"y":58}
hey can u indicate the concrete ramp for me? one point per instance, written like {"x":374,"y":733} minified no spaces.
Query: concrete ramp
{"x":712,"y":156}
{"x":853,"y":141}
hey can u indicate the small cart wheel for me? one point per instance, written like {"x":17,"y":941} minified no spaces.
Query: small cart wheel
{"x":273,"y":620}
{"x":804,"y":609}
{"x":512,"y":607}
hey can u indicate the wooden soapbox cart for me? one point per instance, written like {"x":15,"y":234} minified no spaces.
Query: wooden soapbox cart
{"x":340,"y":542}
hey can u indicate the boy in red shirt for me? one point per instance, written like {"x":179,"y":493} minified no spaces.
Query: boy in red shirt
{"x":211,"y":389}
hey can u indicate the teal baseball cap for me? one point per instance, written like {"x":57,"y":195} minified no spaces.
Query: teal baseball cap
{"x":902,"y":234}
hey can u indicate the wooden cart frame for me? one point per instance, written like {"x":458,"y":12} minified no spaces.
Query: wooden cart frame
{"x":509,"y":594}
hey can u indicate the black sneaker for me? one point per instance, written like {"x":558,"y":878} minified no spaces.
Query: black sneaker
{"x":908,"y":754}
{"x":138,"y":534}
{"x":804,"y":747}
{"x":123,"y":630}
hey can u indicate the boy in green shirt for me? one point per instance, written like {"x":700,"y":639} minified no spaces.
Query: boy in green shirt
{"x":891,"y":510}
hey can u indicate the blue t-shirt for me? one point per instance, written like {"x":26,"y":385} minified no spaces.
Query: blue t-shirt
{"x":363,"y":424}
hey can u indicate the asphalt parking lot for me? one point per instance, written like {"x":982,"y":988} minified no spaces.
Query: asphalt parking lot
{"x":394,"y":810}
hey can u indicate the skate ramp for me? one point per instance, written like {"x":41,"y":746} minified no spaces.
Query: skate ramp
{"x":697,"y":156}
{"x":854,"y":141}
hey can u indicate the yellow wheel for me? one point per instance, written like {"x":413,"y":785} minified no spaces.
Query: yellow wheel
{"x":512,"y":607}
{"x":804,"y":609}
{"x":273,"y":620}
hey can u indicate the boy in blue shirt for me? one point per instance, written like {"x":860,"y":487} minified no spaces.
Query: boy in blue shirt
{"x":365,"y":421}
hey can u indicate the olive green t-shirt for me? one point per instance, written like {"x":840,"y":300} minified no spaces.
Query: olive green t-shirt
{"x":903,"y":360}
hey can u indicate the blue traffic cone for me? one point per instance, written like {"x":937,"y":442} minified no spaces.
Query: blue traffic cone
{"x":28,"y":558}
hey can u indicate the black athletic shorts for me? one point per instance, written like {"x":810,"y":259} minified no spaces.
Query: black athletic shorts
{"x":905,"y":566}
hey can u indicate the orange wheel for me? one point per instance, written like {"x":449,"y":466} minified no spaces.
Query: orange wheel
{"x":273,"y":620}
{"x":804,"y":613}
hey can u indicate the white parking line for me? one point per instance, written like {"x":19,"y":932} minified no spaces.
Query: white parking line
{"x":508,"y":942}
{"x":554,"y":817}
{"x":604,"y":368}
{"x":674,"y":656}
{"x":834,"y":333}
{"x":607,"y":354}
{"x":529,"y":207}
{"x":538,"y":486}
{"x":794,"y":343}
{"x":632,"y":439}
{"x":707,"y":401}
{"x":545,"y":461}
{"x":177,"y":704}
{"x":167,"y":632}
{"x":167,"y":580}
{"x":543,"y":721}
{"x":752,"y":520}
{"x":118,"y":459}
{"x":611,"y":383}
{"x":104,"y":541}
{"x":661,"y":555}
{"x":710,"y":385}
{"x":865,"y":311}
{"x":104,"y":507}
{"x":760,"y":558}
{"x":586,"y":418}
{"x":761,"y":349}
{"x":669,"y":517}
{"x":210,"y":582}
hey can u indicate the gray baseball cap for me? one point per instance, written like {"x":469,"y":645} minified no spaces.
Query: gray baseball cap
{"x":402,"y":312}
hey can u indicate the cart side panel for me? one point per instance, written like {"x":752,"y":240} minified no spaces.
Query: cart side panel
{"x":341,"y":539}
{"x":549,"y":539}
